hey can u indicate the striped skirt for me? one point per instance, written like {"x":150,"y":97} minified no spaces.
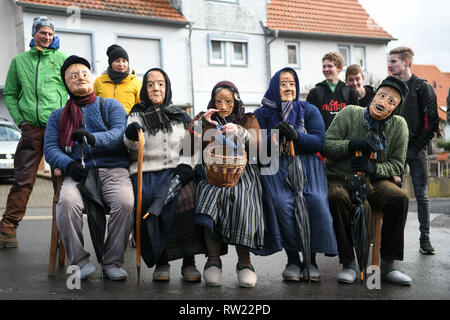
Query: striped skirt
{"x":234,"y":215}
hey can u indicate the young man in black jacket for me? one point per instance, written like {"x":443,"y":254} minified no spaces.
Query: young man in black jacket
{"x":420,"y":112}
{"x":354,"y":77}
{"x":331,"y":95}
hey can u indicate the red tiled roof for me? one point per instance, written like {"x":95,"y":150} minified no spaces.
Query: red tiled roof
{"x":437,"y":79}
{"x":150,"y":8}
{"x":340,"y":17}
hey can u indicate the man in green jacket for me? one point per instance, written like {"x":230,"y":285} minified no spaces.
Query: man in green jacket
{"x":370,"y":130}
{"x":33,"y":89}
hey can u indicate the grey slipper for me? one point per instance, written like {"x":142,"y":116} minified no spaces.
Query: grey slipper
{"x":190,"y":273}
{"x":398,"y":278}
{"x":161,"y":273}
{"x":292,"y":272}
{"x":86,"y":270}
{"x":346,"y":276}
{"x":115,"y":273}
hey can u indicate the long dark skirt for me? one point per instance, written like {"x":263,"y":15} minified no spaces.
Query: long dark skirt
{"x":172,"y":231}
{"x":280,"y":206}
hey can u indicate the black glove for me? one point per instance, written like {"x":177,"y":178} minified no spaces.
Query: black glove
{"x":287,"y":131}
{"x":76,"y":171}
{"x":131,"y":131}
{"x":363,"y":164}
{"x":185,"y":173}
{"x":366,"y":146}
{"x":79,"y":134}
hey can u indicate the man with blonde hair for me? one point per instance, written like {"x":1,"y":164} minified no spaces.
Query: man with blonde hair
{"x":420,"y":112}
{"x":331,"y":95}
{"x":354,"y":77}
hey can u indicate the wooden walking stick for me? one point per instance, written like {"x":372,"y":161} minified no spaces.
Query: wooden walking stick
{"x":139,"y":202}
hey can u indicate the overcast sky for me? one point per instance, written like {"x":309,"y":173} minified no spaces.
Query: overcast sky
{"x":423,"y":25}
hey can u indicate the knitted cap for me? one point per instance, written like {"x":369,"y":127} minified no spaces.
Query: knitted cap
{"x":398,"y":84}
{"x":40,"y":22}
{"x":115,"y":52}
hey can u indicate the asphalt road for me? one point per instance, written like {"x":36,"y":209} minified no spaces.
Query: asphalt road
{"x":23,"y":271}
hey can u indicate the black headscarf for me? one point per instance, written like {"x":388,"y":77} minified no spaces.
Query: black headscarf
{"x":159,"y":117}
{"x":238,"y":115}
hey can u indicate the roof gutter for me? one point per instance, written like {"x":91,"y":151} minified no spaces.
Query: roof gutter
{"x":331,"y":36}
{"x":100,"y":14}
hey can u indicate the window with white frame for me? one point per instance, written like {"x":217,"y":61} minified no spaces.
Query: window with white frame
{"x":293,"y":55}
{"x":217,"y":52}
{"x":344,"y":51}
{"x":359,"y":56}
{"x":78,"y":43}
{"x":142,"y":52}
{"x":228,"y":51}
{"x":238,"y":53}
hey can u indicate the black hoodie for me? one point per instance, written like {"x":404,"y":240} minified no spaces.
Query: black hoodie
{"x":330,"y":103}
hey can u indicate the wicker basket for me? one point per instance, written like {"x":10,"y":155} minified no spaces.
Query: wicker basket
{"x":223,"y":170}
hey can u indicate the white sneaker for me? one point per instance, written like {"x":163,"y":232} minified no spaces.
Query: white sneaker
{"x":246,"y":276}
{"x":292,"y":272}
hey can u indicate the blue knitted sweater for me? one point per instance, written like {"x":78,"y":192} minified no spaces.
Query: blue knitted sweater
{"x":109,"y":150}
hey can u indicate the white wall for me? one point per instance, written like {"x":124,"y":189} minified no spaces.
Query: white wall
{"x":173,"y":40}
{"x":241,"y":20}
{"x":311,"y":53}
{"x":8,"y":47}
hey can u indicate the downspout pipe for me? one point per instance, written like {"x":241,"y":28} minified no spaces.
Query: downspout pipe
{"x":267,"y":31}
{"x":191,"y":69}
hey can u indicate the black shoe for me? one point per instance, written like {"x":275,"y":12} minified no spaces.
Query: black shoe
{"x":426,"y":248}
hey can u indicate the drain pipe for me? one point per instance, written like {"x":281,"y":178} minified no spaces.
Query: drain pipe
{"x":193,"y":113}
{"x":268,"y":43}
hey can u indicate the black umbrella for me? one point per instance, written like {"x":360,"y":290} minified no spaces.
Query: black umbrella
{"x":166,"y":193}
{"x":95,"y":210}
{"x":359,"y":186}
{"x":296,"y":181}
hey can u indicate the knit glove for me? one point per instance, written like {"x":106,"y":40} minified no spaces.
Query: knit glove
{"x":131,"y":132}
{"x":364,"y":164}
{"x":76,"y":171}
{"x":185,"y":173}
{"x":287,"y":131}
{"x":366,"y":146}
{"x":79,"y":134}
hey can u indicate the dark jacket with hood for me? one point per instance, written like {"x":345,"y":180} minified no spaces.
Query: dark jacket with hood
{"x":420,"y":112}
{"x":330,"y":103}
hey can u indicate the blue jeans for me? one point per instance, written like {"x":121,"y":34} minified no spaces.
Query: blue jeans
{"x":418,"y":167}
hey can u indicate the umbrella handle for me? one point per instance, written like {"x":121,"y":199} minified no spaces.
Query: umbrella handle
{"x":275,"y":138}
{"x":291,"y":143}
{"x":139,"y":197}
{"x":359,"y":154}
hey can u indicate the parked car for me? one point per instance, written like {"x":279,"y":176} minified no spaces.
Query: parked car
{"x":9,"y":138}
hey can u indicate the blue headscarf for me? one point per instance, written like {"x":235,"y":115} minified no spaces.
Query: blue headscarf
{"x":291,"y":112}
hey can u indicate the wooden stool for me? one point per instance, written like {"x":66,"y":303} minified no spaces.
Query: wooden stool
{"x":55,"y":240}
{"x":377,"y":216}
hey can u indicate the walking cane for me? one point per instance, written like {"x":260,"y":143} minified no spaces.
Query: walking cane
{"x":139,"y":203}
